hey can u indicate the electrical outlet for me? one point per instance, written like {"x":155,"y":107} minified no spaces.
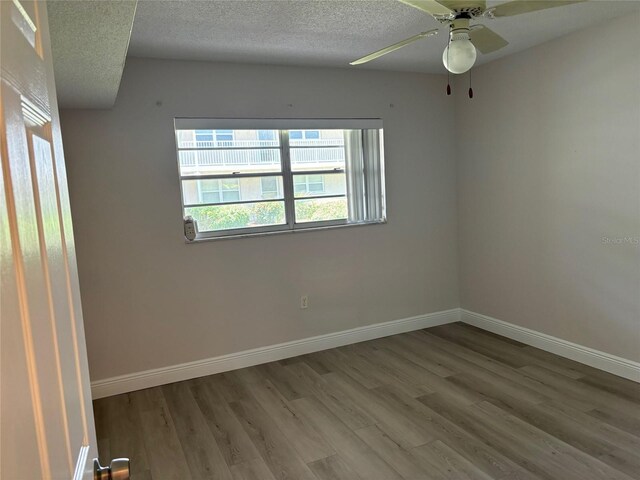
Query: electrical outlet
{"x":304,"y":301}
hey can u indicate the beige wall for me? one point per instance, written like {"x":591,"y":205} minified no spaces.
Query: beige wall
{"x":151,"y":301}
{"x":548,"y":169}
{"x":548,"y":166}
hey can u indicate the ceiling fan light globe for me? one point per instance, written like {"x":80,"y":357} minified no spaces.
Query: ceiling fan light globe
{"x":459,"y":56}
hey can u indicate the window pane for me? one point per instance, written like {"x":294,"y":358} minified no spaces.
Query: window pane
{"x":196,"y":192}
{"x":209,"y":185}
{"x":241,"y":138}
{"x":318,"y":185}
{"x":204,"y":135}
{"x":210,"y":197}
{"x":267,"y":134}
{"x":271,"y":187}
{"x":230,"y":184}
{"x":300,"y":184}
{"x":245,"y":215}
{"x":317,"y":150}
{"x":316,"y":137}
{"x":211,"y":152}
{"x":230,"y":196}
{"x":321,"y":209}
{"x":320,"y":158}
{"x":225,"y":162}
{"x":311,"y":134}
{"x":269,"y":183}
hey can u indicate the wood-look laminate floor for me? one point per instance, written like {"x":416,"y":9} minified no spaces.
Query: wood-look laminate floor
{"x":450,"y":402}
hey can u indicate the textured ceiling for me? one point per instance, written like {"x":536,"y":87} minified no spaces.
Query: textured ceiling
{"x":89,"y":42}
{"x":333,"y":32}
{"x":90,"y":37}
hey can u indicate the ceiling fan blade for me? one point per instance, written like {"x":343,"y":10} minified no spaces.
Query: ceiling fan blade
{"x":429,"y":6}
{"x":486,"y":40}
{"x":393,"y":47}
{"x":517,"y":7}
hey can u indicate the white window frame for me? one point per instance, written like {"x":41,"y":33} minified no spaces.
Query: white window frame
{"x":368,"y":179}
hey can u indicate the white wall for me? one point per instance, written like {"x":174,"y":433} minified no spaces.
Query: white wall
{"x":548,"y":165}
{"x":151,"y":301}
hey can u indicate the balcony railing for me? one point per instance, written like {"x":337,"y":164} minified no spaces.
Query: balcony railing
{"x":231,"y":157}
{"x":318,"y":142}
{"x":228,"y":144}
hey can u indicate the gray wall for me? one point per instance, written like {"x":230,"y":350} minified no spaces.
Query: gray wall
{"x":150,"y":300}
{"x":548,"y":168}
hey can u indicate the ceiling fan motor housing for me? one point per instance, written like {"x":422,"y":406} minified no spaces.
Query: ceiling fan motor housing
{"x":467,"y":10}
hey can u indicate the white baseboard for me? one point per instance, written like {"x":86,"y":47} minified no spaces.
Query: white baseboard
{"x":589,"y":356}
{"x":209,"y":366}
{"x":271,"y":353}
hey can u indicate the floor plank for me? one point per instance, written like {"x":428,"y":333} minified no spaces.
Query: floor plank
{"x":489,"y":460}
{"x":198,"y":443}
{"x":391,"y":452}
{"x":161,"y":442}
{"x":396,"y":423}
{"x":340,"y":404}
{"x":231,"y":439}
{"x":277,"y":452}
{"x":333,"y":468}
{"x":308,"y":443}
{"x":124,"y":432}
{"x":357,"y":454}
{"x":451,"y":402}
{"x":252,"y":470}
{"x":445,"y":463}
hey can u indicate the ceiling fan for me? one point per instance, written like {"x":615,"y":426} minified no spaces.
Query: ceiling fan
{"x":464,"y":38}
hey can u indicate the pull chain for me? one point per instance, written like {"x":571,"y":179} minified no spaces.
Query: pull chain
{"x":470,"y":89}
{"x":448,"y":71}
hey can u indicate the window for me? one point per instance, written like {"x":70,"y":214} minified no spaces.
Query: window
{"x":269,"y":187}
{"x":308,"y":184}
{"x":219,"y":191}
{"x":304,"y":134}
{"x":204,"y":135}
{"x":224,"y":135}
{"x":266,"y":135}
{"x":268,"y":175}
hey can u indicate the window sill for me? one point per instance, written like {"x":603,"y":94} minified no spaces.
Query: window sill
{"x":280,"y":232}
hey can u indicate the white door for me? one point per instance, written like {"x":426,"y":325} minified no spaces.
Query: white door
{"x":47,"y":429}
